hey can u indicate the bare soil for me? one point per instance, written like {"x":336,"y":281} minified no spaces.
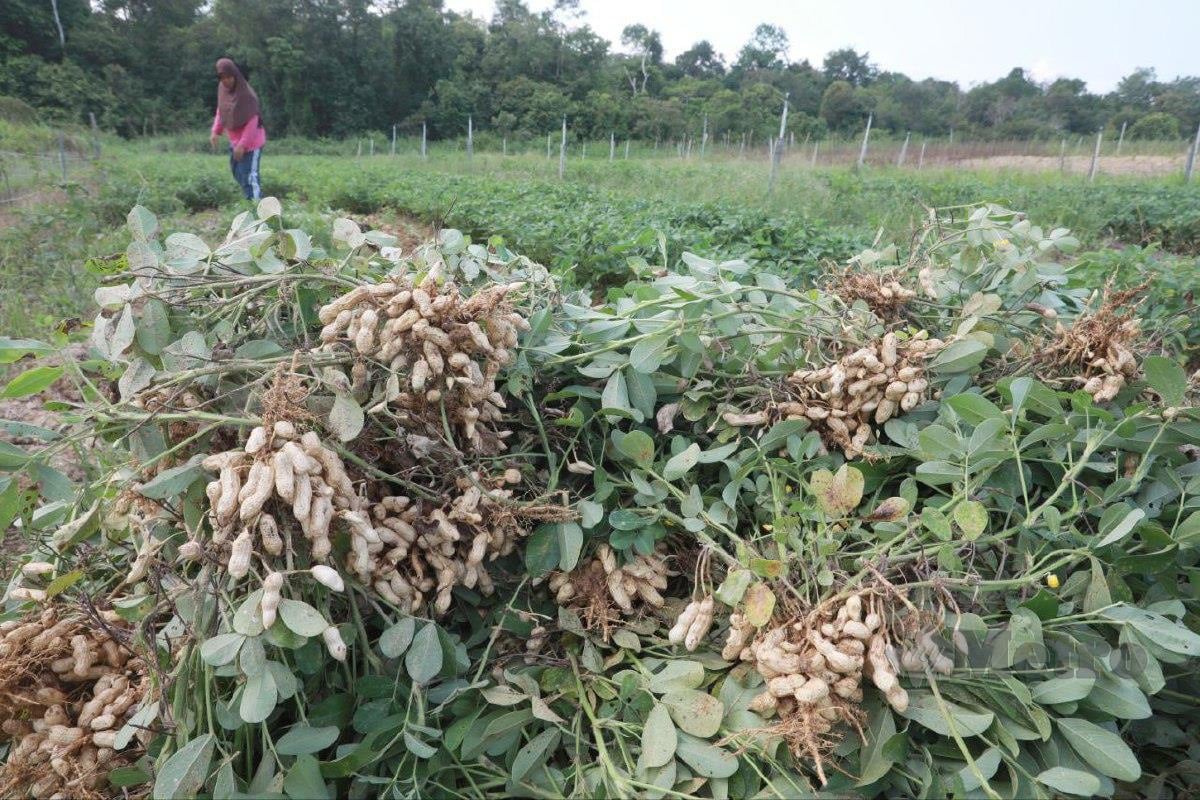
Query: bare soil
{"x":1144,"y":166}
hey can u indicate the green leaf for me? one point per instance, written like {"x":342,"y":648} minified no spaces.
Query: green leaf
{"x":705,"y":759}
{"x":15,"y":349}
{"x":154,"y":327}
{"x":570,"y":543}
{"x":638,"y":446}
{"x":1118,"y":522}
{"x":24,"y":429}
{"x":301,"y":618}
{"x":695,"y":712}
{"x":1157,"y":628}
{"x":924,"y":708}
{"x":424,"y":658}
{"x":31,"y":381}
{"x":616,"y":394}
{"x":303,"y":739}
{"x":1070,"y":781}
{"x":143,"y":225}
{"x":681,"y":463}
{"x":247,"y":620}
{"x":221,"y":649}
{"x":1165,"y":377}
{"x":1100,"y":748}
{"x":658,"y":737}
{"x":63,"y":582}
{"x":1061,"y":690}
{"x":122,"y":777}
{"x":542,"y":552}
{"x":1097,"y":595}
{"x":936,"y":523}
{"x":959,"y":356}
{"x":535,"y":753}
{"x":396,"y":639}
{"x":1119,"y":697}
{"x":676,"y":674}
{"x":417,"y":747}
{"x":874,"y":759}
{"x":259,"y":697}
{"x":303,"y":780}
{"x":590,"y":513}
{"x":649,"y":354}
{"x":184,"y":772}
{"x":734,"y":586}
{"x":974,"y":408}
{"x":173,"y":482}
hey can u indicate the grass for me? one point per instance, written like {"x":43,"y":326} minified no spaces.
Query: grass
{"x":603,"y":217}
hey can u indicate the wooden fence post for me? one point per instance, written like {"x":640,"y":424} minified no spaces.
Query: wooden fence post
{"x":1191,"y":158}
{"x":627,"y":149}
{"x":704,"y":137}
{"x":903,"y":150}
{"x":470,"y":138}
{"x":1095,"y":157}
{"x":862,"y":153}
{"x":921,"y":158}
{"x":777,"y":145}
{"x":393,"y":140}
{"x":612,"y":145}
{"x":562,"y":151}
{"x":1062,"y":156}
{"x":62,"y":156}
{"x":1121,"y":138}
{"x":813,"y":163}
{"x":422,"y":140}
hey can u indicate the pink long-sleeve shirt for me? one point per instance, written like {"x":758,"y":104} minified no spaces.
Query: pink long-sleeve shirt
{"x":250,"y":136}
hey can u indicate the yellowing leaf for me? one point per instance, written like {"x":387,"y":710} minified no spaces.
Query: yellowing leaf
{"x":972,"y":517}
{"x":760,"y":603}
{"x":837,"y":493}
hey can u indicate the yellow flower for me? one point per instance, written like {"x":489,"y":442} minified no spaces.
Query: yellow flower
{"x":1052,"y":581}
{"x":1002,"y":244}
{"x":787,"y":488}
{"x":768,"y":527}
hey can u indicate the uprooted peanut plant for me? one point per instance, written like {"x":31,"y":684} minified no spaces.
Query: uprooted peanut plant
{"x":439,"y":524}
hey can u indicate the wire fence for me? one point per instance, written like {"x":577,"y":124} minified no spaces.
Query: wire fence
{"x":25,"y":175}
{"x":1074,"y":154}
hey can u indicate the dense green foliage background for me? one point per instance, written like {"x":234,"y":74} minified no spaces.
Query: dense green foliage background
{"x":336,"y":67}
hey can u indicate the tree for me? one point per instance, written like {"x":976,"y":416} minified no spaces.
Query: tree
{"x":1137,"y":89}
{"x":701,"y":61}
{"x":1157,"y":126}
{"x":849,"y":66}
{"x":841,"y":106}
{"x":647,"y":49}
{"x":766,"y":50}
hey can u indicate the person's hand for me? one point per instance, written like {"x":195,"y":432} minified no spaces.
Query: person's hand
{"x":238,"y":152}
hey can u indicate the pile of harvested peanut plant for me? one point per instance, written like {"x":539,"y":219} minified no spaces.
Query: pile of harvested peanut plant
{"x":358,"y":523}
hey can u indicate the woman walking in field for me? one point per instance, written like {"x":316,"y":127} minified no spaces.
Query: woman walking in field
{"x":237,"y":117}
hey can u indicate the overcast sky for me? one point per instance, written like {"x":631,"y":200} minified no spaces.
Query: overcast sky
{"x":963,"y":40}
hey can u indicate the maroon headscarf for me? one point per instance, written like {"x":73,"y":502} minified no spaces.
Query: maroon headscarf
{"x":238,"y":105}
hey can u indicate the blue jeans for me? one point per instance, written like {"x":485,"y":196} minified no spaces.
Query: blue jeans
{"x":245,"y":172}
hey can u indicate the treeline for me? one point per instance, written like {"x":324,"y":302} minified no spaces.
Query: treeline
{"x":332,"y":68}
